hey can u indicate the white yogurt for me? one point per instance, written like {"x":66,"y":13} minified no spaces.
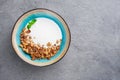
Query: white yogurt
{"x":45,"y":30}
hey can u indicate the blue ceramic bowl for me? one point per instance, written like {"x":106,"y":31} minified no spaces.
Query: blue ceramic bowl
{"x":40,"y":13}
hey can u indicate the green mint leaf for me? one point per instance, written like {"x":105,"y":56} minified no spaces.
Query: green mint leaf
{"x":31,"y":23}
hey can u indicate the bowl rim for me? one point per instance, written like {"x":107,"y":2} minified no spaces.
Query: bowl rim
{"x":44,"y":9}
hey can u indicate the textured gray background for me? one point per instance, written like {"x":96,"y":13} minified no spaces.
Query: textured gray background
{"x":94,"y":53}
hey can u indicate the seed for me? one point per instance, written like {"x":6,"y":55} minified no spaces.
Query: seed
{"x":54,"y":44}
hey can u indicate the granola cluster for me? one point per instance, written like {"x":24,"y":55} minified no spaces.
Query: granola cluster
{"x":37,"y":51}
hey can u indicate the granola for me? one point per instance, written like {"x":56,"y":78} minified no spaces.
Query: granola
{"x":37,"y":51}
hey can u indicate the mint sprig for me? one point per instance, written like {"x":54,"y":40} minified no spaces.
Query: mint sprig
{"x":31,"y":23}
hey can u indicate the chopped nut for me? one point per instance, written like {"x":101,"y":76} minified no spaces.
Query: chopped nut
{"x":58,"y":47}
{"x":21,"y":45}
{"x":48,"y":44}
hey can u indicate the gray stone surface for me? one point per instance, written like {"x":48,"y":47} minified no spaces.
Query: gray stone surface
{"x":94,"y":53}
